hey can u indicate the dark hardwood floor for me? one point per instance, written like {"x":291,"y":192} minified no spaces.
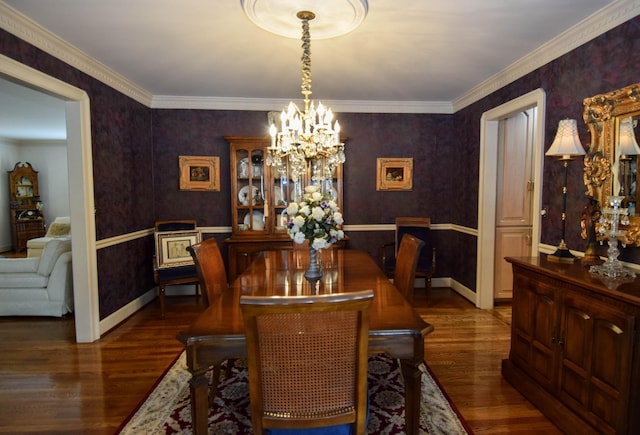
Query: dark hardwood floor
{"x":49,"y":384}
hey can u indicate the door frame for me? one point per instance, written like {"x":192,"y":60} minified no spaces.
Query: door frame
{"x":487,"y":194}
{"x":81,"y":200}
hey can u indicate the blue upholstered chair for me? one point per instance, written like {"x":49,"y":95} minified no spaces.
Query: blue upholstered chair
{"x":180,"y":273}
{"x":419,"y":227}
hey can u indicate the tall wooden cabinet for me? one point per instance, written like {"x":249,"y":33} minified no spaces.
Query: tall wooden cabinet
{"x":27,"y":222}
{"x":259,"y":197}
{"x":575,"y":347}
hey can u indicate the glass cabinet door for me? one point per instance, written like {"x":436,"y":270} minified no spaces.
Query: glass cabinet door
{"x":282,"y":196}
{"x":250,"y":190}
{"x":260,"y":193}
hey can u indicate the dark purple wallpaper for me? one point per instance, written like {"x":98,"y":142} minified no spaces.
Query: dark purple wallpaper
{"x":136,"y":149}
{"x":122,"y":172}
{"x":608,"y":62}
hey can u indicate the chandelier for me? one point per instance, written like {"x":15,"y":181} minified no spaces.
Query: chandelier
{"x":306,"y":135}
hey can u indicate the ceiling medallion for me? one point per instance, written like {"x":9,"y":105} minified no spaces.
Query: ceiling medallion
{"x":332,"y":17}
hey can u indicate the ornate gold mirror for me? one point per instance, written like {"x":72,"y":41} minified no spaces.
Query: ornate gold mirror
{"x":607,"y":169}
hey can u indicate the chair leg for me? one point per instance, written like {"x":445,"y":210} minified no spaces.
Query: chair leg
{"x":161,"y":290}
{"x":215,"y":378}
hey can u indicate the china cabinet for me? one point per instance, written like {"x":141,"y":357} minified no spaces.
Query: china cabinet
{"x":26,"y":219}
{"x":575,"y":349}
{"x":260,"y":195}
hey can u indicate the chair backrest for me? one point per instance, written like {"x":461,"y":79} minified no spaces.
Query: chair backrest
{"x":171,"y":240}
{"x":176,"y":225}
{"x":210,"y":268}
{"x":307,"y":359}
{"x":419,"y":227}
{"x":406,"y":263}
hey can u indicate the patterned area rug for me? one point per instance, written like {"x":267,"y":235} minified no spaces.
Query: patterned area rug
{"x":167,"y":410}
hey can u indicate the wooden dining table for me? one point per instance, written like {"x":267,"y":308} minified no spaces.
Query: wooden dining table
{"x":217,"y":333}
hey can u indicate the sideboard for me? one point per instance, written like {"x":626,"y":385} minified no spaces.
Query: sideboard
{"x":575,"y":346}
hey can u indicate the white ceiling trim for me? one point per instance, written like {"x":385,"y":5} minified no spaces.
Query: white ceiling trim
{"x":28,"y":30}
{"x":345,"y":106}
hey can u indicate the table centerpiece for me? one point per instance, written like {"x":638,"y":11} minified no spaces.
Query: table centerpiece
{"x":315,"y":219}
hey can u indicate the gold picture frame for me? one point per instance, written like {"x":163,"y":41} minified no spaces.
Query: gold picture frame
{"x":394,"y":174}
{"x":172,"y":248}
{"x":199,"y":173}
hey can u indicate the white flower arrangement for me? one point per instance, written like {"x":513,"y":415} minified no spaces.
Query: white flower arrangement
{"x":315,"y":219}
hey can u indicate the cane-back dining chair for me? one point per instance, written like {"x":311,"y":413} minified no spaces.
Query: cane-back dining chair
{"x":166,"y":272}
{"x":210,"y":268}
{"x":419,"y":227}
{"x":307,"y":361}
{"x":404,"y":274}
{"x":212,"y":276}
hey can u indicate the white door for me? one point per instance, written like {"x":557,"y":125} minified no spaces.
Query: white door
{"x":513,"y":196}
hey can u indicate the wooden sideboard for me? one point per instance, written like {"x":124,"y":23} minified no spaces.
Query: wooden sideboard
{"x":575,"y":346}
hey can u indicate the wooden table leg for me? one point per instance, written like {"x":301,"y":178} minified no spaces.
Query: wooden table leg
{"x":413,"y":388}
{"x":199,"y":387}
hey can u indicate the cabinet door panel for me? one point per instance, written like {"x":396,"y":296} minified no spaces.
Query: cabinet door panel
{"x":522,"y":309}
{"x":534,"y":317}
{"x":543,"y":359}
{"x":596,"y":360}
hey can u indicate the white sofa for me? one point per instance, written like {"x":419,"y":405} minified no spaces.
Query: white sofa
{"x":38,"y":286}
{"x":60,"y":228}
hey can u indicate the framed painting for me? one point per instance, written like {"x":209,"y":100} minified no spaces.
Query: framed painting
{"x":394,"y":174}
{"x":172,"y":247}
{"x":199,"y":173}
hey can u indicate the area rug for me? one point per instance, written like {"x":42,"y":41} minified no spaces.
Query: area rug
{"x":167,"y":410}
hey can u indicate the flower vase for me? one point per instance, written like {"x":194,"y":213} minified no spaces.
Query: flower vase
{"x":313,"y":273}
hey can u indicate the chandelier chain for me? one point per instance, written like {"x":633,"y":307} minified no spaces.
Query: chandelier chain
{"x":306,"y":62}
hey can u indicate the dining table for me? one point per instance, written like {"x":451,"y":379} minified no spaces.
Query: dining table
{"x":395,"y":328}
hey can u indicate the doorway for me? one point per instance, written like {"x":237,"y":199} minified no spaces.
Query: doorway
{"x":80,"y":166}
{"x":487,"y":195}
{"x":513,"y":197}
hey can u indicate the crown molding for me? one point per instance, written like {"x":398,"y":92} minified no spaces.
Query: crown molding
{"x":28,"y":30}
{"x":268,"y":104}
{"x":602,"y":21}
{"x":591,"y":27}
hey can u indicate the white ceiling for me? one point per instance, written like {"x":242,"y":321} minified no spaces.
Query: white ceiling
{"x":404,"y":51}
{"x":27,"y":114}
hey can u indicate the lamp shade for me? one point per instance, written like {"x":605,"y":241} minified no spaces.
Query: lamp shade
{"x":627,"y":138}
{"x":567,"y":143}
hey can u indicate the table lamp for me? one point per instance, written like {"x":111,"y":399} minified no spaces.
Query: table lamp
{"x":565,"y":145}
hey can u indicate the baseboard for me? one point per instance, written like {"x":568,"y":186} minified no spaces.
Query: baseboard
{"x":464,"y":291}
{"x":125,"y":312}
{"x":180,"y":290}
